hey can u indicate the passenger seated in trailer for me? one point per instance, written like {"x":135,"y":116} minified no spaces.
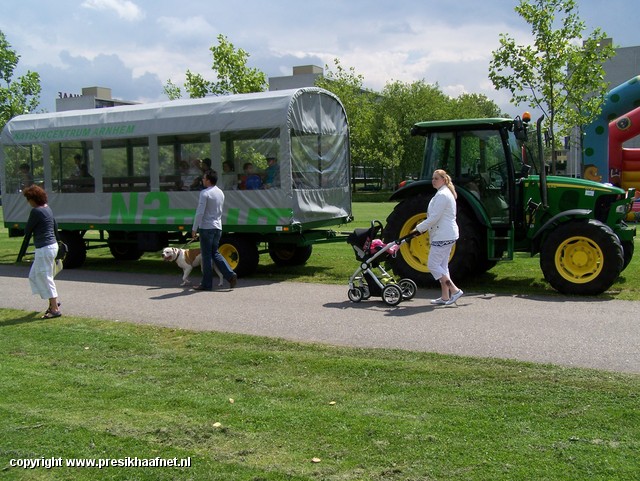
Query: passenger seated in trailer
{"x":26,"y":179}
{"x":192,"y":178}
{"x":249,"y":180}
{"x":84,"y":182}
{"x":272,"y":174}
{"x":228,"y":180}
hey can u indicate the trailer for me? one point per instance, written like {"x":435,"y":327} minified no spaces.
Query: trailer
{"x":127,"y":173}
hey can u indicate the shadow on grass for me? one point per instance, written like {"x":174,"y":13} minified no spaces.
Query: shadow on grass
{"x":25,"y":319}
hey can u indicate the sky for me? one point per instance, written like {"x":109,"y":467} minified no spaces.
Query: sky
{"x":135,"y":46}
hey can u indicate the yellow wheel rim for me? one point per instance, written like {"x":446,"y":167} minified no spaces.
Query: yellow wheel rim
{"x":230,"y":253}
{"x":579,"y":259}
{"x":415,"y":251}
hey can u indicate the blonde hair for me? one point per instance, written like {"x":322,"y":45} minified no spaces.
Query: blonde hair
{"x":447,"y":181}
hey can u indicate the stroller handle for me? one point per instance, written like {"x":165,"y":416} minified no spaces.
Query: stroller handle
{"x":408,"y":237}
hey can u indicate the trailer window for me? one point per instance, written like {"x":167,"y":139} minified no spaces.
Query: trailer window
{"x":72,"y":167}
{"x":180,"y":160}
{"x":246,"y":153}
{"x":125,"y":165}
{"x":319,"y":161}
{"x":23,"y":166}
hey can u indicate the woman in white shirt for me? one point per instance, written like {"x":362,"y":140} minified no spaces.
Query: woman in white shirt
{"x":443,"y":233}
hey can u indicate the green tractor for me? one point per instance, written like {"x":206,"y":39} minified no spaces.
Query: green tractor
{"x":507,"y":203}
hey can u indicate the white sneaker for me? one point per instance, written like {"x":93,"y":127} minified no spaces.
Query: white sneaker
{"x":438,"y":302}
{"x":454,"y":297}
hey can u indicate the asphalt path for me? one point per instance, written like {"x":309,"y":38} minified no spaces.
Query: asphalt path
{"x":578,"y":332}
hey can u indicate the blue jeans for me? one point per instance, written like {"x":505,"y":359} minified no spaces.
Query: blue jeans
{"x":209,"y":243}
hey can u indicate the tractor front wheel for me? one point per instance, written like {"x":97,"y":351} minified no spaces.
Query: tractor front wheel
{"x":581,"y":257}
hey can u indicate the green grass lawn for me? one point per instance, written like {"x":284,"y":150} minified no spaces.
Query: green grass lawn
{"x":246,"y":408}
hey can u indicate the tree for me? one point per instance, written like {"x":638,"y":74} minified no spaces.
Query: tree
{"x":469,"y":106}
{"x":232,"y":75}
{"x":17,"y":96}
{"x":408,"y":103}
{"x":559,"y":74}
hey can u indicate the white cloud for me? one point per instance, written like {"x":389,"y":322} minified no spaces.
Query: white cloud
{"x":124,"y":8}
{"x":185,"y":28}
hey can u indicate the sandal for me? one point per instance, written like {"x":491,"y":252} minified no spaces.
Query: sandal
{"x":51,"y":314}
{"x":49,"y":309}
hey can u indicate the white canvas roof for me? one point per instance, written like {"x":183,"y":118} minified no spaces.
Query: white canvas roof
{"x":209,"y":114}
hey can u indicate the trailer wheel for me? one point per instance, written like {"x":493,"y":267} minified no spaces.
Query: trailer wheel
{"x":289,"y":254}
{"x":124,"y":245}
{"x":77,"y":249}
{"x":581,"y":257}
{"x":241,"y":252}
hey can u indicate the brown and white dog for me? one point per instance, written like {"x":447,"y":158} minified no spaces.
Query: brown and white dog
{"x":187,"y":259}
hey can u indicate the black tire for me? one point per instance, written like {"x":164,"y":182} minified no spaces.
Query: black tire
{"x":241,"y":253}
{"x":392,"y":294}
{"x":581,"y":257}
{"x":408,"y":288}
{"x":628,"y":248}
{"x":124,"y":246}
{"x":289,"y":254}
{"x":77,"y":249}
{"x":355,"y":294}
{"x":468,"y":256}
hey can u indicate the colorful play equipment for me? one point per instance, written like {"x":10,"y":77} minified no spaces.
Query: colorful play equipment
{"x":604,"y":157}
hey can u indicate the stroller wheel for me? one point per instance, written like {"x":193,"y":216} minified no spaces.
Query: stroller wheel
{"x":392,"y":294}
{"x":355,"y":294}
{"x":366,"y":293}
{"x":408,"y":288}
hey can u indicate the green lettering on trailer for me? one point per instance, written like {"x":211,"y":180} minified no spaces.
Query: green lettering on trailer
{"x":121,"y":213}
{"x":155,"y":208}
{"x":233,"y":217}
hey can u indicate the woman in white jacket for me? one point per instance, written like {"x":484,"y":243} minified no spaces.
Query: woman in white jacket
{"x":443,"y":233}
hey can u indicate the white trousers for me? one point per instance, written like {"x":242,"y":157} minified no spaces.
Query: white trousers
{"x":41,"y":273}
{"x":438,"y":262}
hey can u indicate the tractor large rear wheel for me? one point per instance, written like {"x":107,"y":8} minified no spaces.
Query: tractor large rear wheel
{"x":411,"y":260}
{"x":582,"y":257}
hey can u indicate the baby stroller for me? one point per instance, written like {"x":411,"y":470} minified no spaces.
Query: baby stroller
{"x":371,"y":279}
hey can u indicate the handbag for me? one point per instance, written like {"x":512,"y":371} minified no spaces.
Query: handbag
{"x":63,"y":250}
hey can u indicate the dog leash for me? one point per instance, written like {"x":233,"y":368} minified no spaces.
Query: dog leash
{"x":189,"y":243}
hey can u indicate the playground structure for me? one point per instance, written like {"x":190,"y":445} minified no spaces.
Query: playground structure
{"x":605,"y":159}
